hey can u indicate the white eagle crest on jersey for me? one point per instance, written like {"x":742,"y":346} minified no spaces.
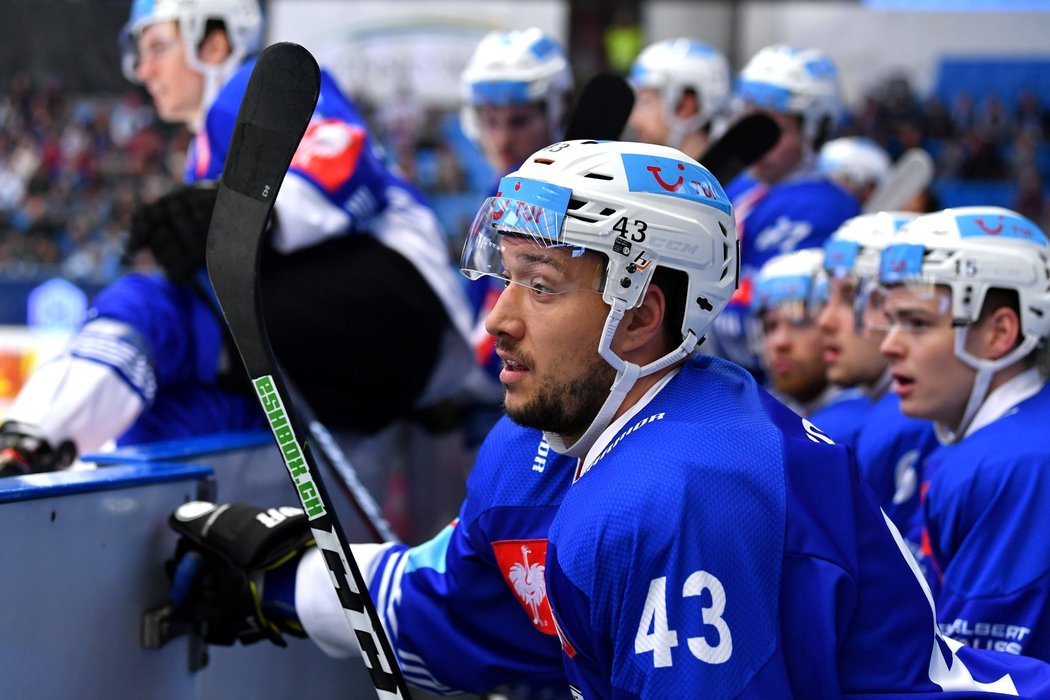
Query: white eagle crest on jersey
{"x":528,"y":583}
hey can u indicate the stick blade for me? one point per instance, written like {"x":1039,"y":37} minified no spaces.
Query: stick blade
{"x":743,"y":143}
{"x":909,"y":176}
{"x":285,"y":75}
{"x":278,"y":103}
{"x":601,"y":110}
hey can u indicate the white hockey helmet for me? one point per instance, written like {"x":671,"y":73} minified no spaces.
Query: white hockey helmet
{"x":674,"y":66}
{"x":642,"y":207}
{"x":854,"y":249}
{"x":805,"y":82}
{"x":971,"y":250}
{"x":855,"y":161}
{"x":520,"y":66}
{"x":792,"y":282}
{"x":242,"y":19}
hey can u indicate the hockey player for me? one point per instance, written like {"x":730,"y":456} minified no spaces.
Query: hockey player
{"x":681,"y":87}
{"x":661,"y":454}
{"x":890,"y":447}
{"x":151,"y":362}
{"x":782,"y":202}
{"x":968,"y":314}
{"x":790,"y":290}
{"x":857,"y":164}
{"x":515,"y":91}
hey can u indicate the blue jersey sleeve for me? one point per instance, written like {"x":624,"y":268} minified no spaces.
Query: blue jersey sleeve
{"x":842,"y":420}
{"x":180,"y":333}
{"x":891,"y":451}
{"x":468,"y":608}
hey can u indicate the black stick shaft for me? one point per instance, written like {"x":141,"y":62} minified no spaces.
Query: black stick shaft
{"x":276,"y":109}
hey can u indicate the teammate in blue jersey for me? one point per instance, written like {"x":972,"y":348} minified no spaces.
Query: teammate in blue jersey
{"x":152,"y":362}
{"x":692,"y":536}
{"x":790,"y":290}
{"x":682,"y":88}
{"x":889,"y":446}
{"x":782,"y":202}
{"x":966,"y":303}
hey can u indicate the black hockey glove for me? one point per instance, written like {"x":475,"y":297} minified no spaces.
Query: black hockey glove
{"x":221,"y":561}
{"x":23,"y":450}
{"x":175,"y":229}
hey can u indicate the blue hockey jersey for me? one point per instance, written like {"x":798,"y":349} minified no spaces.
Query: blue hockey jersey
{"x":891,"y":450}
{"x":337,"y":185}
{"x":797,"y":213}
{"x":842,"y":419}
{"x":719,"y":546}
{"x":468,"y":610}
{"x":179,"y":337}
{"x":988,"y":532}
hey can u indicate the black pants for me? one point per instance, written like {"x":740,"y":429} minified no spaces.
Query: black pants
{"x":356,"y":326}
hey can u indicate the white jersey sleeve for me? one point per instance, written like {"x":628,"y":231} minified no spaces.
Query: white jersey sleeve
{"x":92,"y":392}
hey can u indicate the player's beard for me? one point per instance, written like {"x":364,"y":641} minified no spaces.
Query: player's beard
{"x":568,"y":409}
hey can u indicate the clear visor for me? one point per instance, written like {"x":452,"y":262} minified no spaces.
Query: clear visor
{"x":912,"y":306}
{"x":518,"y":242}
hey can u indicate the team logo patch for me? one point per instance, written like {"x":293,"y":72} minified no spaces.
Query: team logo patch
{"x":329,"y":152}
{"x":975,"y":225}
{"x":674,"y":178}
{"x":522,"y":564}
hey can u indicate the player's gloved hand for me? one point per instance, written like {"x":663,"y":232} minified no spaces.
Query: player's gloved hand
{"x":23,"y":450}
{"x":225,"y":558}
{"x":175,"y":229}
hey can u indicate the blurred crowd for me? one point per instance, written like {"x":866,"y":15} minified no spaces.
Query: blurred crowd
{"x":73,"y":168}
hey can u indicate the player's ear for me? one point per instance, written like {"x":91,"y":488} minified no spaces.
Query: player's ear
{"x":1000,"y":332}
{"x":688,"y":105}
{"x":643,"y":325}
{"x":215,"y":47}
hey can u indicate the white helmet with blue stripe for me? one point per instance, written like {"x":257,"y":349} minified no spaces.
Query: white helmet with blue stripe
{"x":785,"y":79}
{"x":516,"y":67}
{"x":793,"y":282}
{"x":854,"y":249}
{"x":242,"y":19}
{"x":674,"y":66}
{"x":642,"y":207}
{"x":855,"y":161}
{"x":971,"y":250}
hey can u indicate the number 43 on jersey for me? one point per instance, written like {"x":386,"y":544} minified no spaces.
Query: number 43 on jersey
{"x":654,"y":635}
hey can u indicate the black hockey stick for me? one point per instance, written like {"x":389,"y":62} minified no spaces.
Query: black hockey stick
{"x":357,"y":493}
{"x":601,"y":110}
{"x":743,"y":143}
{"x":273,"y":117}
